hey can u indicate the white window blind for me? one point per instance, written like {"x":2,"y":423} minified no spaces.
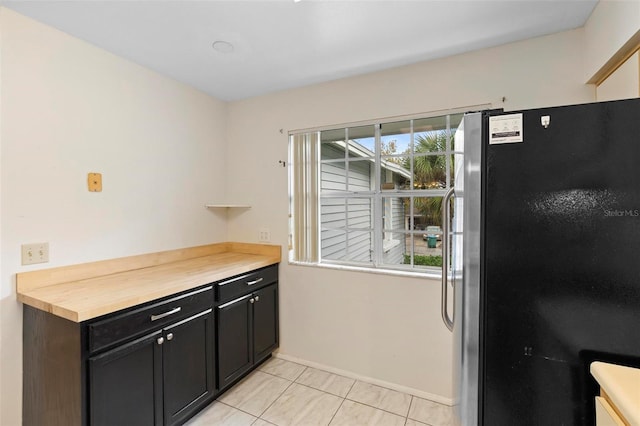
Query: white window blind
{"x":370,"y":195}
{"x":304,"y":204}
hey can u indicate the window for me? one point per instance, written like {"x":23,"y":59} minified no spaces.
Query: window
{"x":371,"y":195}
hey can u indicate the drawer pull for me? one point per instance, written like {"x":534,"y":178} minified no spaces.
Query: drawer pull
{"x":254,"y":282}
{"x":234,"y":301}
{"x":166,"y":314}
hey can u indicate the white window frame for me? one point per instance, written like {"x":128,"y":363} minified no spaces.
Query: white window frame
{"x":377,"y":195}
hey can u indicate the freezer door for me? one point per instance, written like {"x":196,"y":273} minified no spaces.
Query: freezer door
{"x":562,"y":277}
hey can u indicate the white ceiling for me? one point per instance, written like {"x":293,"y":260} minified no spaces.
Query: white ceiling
{"x":284,"y":44}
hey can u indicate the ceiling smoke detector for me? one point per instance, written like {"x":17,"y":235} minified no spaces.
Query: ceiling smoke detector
{"x":222,"y":46}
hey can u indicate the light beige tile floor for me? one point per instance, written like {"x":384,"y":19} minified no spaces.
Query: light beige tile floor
{"x":284,"y":393}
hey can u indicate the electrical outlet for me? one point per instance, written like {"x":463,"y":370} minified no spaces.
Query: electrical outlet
{"x":265,"y":235}
{"x":35,"y":253}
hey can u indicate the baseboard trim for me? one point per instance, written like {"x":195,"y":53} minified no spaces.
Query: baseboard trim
{"x":393,"y":386}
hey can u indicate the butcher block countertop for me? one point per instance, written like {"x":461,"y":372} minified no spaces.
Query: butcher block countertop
{"x":621,"y":385}
{"x":89,"y":290}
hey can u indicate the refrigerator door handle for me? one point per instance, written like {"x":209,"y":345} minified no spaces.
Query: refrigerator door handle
{"x":446,"y":217}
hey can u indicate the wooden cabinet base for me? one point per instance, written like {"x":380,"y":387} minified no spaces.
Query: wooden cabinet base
{"x":53,"y":370}
{"x":153,"y":364}
{"x":247,"y":324}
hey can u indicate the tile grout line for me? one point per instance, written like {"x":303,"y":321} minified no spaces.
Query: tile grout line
{"x":346,"y":397}
{"x":278,"y":397}
{"x":334,"y":414}
{"x":305,"y":367}
{"x":378,"y":408}
{"x":231,"y":406}
{"x":274,"y":401}
{"x":326,"y":391}
{"x":406,"y":419}
{"x":408,"y":412}
{"x":358,"y":380}
{"x":342,"y":402}
{"x":311,"y":387}
{"x":320,"y":390}
{"x":369,"y":383}
{"x":308,"y":387}
{"x":301,"y":373}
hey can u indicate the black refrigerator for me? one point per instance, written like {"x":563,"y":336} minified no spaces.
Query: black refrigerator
{"x":546,"y":260}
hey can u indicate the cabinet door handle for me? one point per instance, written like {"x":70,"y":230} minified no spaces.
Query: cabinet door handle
{"x":166,"y":314}
{"x":255,"y":281}
{"x":170,"y":336}
{"x":257,"y":298}
{"x":160,"y":340}
{"x":234,"y":301}
{"x":252,"y":301}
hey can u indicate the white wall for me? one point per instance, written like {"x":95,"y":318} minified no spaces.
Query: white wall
{"x":69,"y":108}
{"x":380,"y":326}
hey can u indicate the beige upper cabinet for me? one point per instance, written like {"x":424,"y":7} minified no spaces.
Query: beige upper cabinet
{"x":623,"y":83}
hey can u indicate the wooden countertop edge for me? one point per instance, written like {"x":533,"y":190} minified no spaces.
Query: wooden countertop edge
{"x":44,"y":277}
{"x":621,"y":387}
{"x":44,"y":297}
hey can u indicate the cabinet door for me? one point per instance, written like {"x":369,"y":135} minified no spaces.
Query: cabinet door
{"x":125,"y":384}
{"x":188,"y":355}
{"x":234,"y":339}
{"x":265,"y":322}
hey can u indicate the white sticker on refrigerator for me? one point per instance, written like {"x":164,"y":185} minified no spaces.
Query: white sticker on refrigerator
{"x":505,"y":129}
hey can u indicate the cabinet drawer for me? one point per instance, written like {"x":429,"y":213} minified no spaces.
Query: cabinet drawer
{"x":238,"y":286}
{"x":116,"y":329}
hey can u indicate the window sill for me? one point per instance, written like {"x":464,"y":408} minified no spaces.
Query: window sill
{"x":430,"y":274}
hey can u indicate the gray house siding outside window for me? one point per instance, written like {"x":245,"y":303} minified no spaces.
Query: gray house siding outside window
{"x":371,"y":195}
{"x":346,"y":223}
{"x":394,"y":248}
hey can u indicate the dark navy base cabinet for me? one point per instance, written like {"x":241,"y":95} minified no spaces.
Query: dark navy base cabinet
{"x":154,"y":364}
{"x":247,"y":324}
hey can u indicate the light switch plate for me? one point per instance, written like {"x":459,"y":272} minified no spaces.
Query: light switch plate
{"x":35,"y":253}
{"x":265,"y":235}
